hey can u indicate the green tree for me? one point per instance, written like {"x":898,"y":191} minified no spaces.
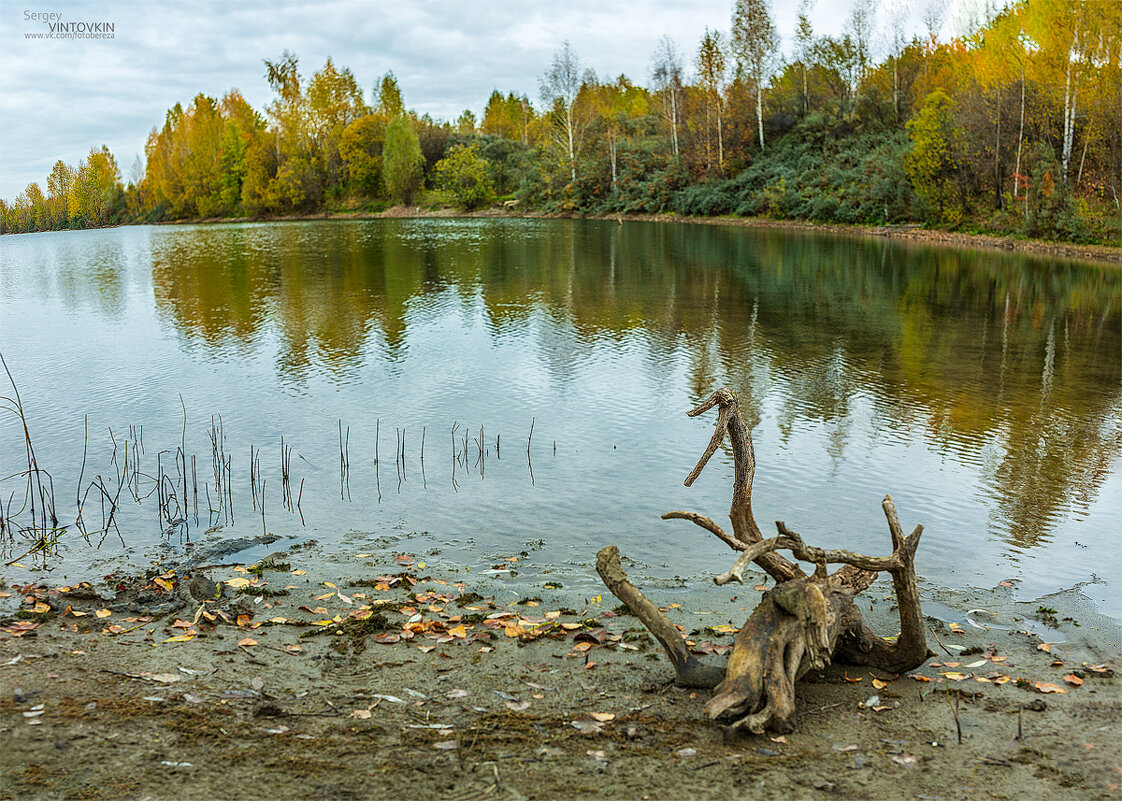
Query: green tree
{"x":402,"y":161}
{"x":390,"y":101}
{"x":465,"y":175}
{"x":932,"y":161}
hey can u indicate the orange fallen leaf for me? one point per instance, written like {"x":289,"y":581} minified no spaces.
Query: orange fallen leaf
{"x":1047,"y":687}
{"x":1046,"y":647}
{"x":952,"y":675}
{"x":581,"y":647}
{"x":41,"y":607}
{"x":1071,"y":678}
{"x":603,"y":717}
{"x":880,"y":685}
{"x":247,"y":642}
{"x":103,"y":613}
{"x":514,"y":630}
{"x":72,"y":611}
{"x":243,"y":620}
{"x":853,"y":681}
{"x":163,"y":583}
{"x":921,"y":678}
{"x":293,"y":649}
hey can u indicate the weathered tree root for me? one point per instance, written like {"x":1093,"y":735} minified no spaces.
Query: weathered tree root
{"x":804,"y":622}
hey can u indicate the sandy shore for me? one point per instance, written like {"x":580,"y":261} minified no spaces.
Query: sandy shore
{"x":380,"y":677}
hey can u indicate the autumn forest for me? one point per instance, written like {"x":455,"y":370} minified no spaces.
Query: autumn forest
{"x":1014,"y":128}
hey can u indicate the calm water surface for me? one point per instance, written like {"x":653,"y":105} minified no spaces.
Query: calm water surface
{"x":982,"y":390}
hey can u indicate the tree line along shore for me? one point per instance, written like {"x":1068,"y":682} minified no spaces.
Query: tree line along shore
{"x":1012,"y":129}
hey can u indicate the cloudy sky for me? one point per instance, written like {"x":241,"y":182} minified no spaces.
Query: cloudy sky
{"x":59,"y":98}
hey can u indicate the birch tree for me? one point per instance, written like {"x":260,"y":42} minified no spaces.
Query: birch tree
{"x":755,"y":43}
{"x":711,"y":67}
{"x":560,"y":88}
{"x":666,"y":77}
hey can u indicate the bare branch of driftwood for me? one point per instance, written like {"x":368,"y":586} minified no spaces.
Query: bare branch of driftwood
{"x":800,"y":624}
{"x":691,"y":671}
{"x":708,"y":525}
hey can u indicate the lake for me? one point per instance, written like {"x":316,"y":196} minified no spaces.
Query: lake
{"x":983,"y":390}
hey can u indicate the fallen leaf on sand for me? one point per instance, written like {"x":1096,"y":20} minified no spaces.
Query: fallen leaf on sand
{"x":1046,"y":647}
{"x":1047,"y":687}
{"x":603,"y":717}
{"x":247,"y":642}
{"x":1071,"y":678}
{"x":361,"y":714}
{"x":103,"y":613}
{"x":879,"y":685}
{"x":517,"y":706}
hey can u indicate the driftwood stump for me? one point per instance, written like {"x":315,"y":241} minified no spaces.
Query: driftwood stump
{"x":803,"y":622}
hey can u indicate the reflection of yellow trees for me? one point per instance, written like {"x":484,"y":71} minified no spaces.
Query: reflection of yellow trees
{"x":978,"y":348}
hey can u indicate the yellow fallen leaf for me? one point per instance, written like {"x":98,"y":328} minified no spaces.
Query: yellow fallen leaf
{"x":514,"y":630}
{"x":238,"y":582}
{"x":603,"y":717}
{"x":571,"y":626}
{"x":72,"y":611}
{"x":952,"y":675}
{"x":880,"y":685}
{"x":329,"y":584}
{"x":159,"y":581}
{"x":853,"y":681}
{"x":180,"y":638}
{"x":1002,"y":680}
{"x":1046,"y":647}
{"x":41,"y":607}
{"x":247,"y":642}
{"x":581,"y":647}
{"x":458,"y":631}
{"x":103,"y":613}
{"x":299,"y":572}
{"x":322,"y":622}
{"x":325,"y":596}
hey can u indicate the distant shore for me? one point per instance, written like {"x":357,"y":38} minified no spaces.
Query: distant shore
{"x":1096,"y":254}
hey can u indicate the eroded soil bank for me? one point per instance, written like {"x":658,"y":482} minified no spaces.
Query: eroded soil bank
{"x":381,"y":679}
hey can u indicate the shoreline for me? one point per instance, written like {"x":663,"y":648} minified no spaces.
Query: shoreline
{"x":1101,"y":255}
{"x":372,"y":675}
